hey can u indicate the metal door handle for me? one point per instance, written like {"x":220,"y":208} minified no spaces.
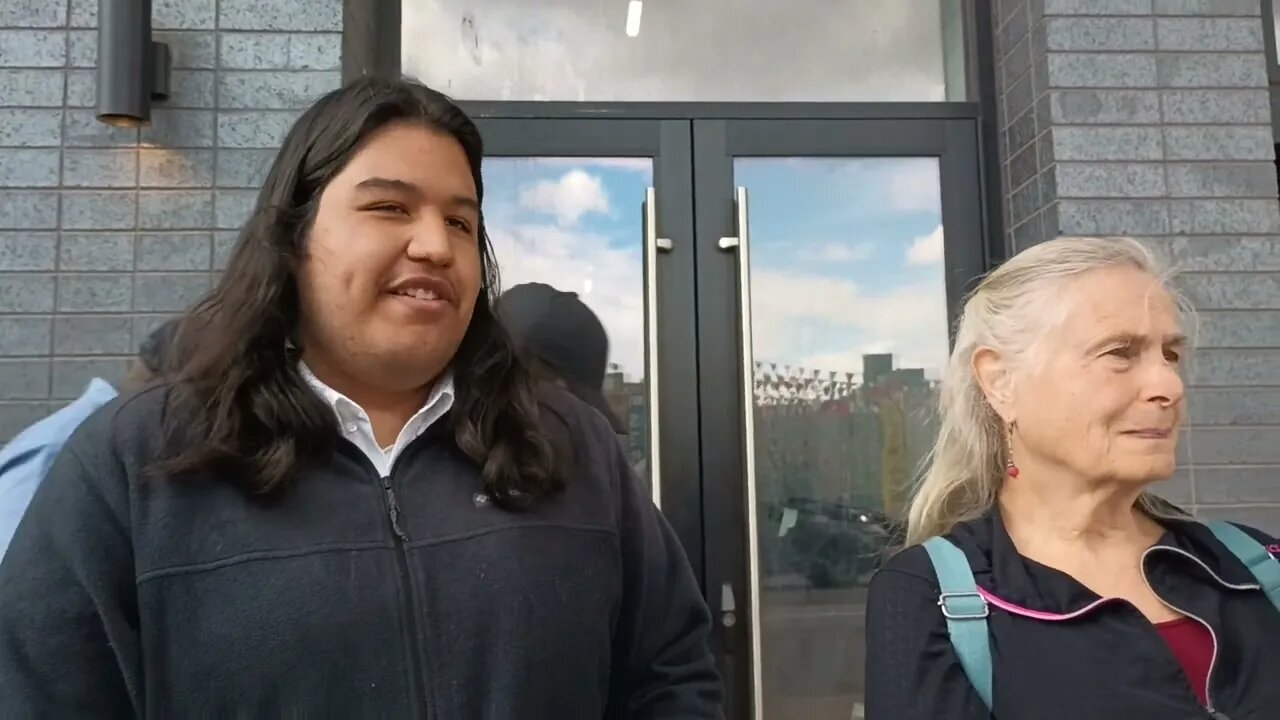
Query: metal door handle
{"x":652,"y":246}
{"x":743,"y":245}
{"x":728,"y":608}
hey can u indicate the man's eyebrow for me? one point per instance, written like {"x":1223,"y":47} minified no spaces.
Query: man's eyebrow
{"x":466,"y":202}
{"x":402,"y":186}
{"x":381,"y":183}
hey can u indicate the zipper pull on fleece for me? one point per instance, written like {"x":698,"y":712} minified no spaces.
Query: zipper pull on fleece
{"x":393,"y":509}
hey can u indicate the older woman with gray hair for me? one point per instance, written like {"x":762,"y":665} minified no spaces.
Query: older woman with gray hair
{"x":1041,"y":579}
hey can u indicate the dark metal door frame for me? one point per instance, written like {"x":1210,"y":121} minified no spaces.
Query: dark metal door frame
{"x":667,"y":142}
{"x":698,"y":299}
{"x":701,"y":406}
{"x":371,"y":47}
{"x":955,"y":142}
{"x":689,"y":111}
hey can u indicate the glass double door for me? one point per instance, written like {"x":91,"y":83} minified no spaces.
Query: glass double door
{"x":777,"y":294}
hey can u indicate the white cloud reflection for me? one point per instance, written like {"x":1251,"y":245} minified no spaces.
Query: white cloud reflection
{"x":844,"y":252}
{"x":913,"y":184}
{"x":608,"y":280}
{"x":714,"y":50}
{"x":822,"y":323}
{"x":926,"y":249}
{"x":816,"y":317}
{"x":569,"y":197}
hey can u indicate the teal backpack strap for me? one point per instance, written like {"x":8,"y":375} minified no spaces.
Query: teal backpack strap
{"x":1253,"y":554}
{"x":966,"y":612}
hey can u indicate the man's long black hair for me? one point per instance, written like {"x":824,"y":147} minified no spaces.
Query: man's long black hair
{"x":239,"y":401}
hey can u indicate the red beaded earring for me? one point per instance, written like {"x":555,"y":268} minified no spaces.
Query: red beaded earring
{"x":1010,"y":469}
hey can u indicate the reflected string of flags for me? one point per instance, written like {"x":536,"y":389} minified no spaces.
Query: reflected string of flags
{"x":782,"y":384}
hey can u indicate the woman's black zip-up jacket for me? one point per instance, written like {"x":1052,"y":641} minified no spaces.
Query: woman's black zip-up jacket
{"x":1067,"y":653}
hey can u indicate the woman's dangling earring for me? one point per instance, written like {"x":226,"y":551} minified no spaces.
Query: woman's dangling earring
{"x":1010,"y":469}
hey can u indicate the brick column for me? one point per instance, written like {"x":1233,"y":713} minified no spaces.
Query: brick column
{"x":1152,"y":118}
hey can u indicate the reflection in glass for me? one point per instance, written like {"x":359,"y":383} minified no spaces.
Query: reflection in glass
{"x":576,"y":224}
{"x":715,"y":50}
{"x":850,"y":335}
{"x":1275,"y":29}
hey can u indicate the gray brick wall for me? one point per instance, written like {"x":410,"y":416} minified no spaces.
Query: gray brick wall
{"x":105,"y":232}
{"x":1152,"y":118}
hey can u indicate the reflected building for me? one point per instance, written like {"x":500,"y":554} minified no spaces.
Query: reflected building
{"x":629,"y":399}
{"x":852,"y":441}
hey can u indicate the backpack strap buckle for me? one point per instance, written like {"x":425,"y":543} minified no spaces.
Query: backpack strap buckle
{"x":1254,"y":555}
{"x":963,"y":605}
{"x":966,"y":611}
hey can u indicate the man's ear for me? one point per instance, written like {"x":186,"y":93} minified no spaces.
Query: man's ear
{"x":995,"y":379}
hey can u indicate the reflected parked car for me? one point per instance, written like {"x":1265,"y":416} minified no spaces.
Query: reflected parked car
{"x":830,"y":544}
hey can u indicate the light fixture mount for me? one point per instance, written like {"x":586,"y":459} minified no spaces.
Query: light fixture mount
{"x":133,"y":69}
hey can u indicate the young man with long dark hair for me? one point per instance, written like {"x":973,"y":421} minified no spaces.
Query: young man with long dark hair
{"x":352,"y":500}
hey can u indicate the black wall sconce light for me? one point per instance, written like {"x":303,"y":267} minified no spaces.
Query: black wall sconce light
{"x":132,"y":69}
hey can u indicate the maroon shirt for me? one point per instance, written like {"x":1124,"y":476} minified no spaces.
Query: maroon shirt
{"x":1192,"y":644}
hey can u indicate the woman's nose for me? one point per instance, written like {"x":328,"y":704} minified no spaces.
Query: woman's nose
{"x":1165,"y":382}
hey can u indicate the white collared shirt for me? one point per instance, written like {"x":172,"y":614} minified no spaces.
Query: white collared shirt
{"x":357,"y":428}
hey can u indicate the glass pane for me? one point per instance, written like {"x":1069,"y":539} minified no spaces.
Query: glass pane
{"x":577,"y":224}
{"x":716,"y":50}
{"x":1275,"y":29}
{"x":849,"y":325}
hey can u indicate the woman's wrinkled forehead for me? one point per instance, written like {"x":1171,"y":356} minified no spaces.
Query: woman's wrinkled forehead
{"x":1115,"y":301}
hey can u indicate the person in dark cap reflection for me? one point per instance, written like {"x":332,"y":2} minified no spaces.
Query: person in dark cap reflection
{"x":563,"y":340}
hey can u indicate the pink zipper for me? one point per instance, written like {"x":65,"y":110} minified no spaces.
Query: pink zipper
{"x":1040,"y":614}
